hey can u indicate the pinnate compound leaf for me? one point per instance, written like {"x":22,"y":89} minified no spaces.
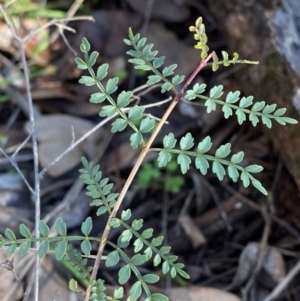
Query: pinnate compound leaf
{"x":186,"y":142}
{"x":73,"y":285}
{"x":85,"y":46}
{"x":173,"y":272}
{"x":147,"y":233}
{"x":87,"y":80}
{"x":86,"y":247}
{"x":184,"y":161}
{"x":157,"y":297}
{"x":151,"y":278}
{"x":153,"y":79}
{"x":102,"y":72}
{"x":253,"y":118}
{"x":165,"y":267}
{"x":135,"y":140}
{"x":167,"y":71}
{"x":169,"y":141}
{"x":86,"y":226}
{"x":259,"y":186}
{"x":163,"y":158}
{"x":138,"y":259}
{"x":146,"y":125}
{"x":138,"y":245}
{"x":24,"y":248}
{"x":216,"y":92}
{"x":205,"y":145}
{"x":118,"y":293}
{"x":233,"y":97}
{"x":115,"y":223}
{"x":60,"y":227}
{"x":246,"y":102}
{"x":240,"y":115}
{"x":111,"y":85}
{"x":258,"y":106}
{"x":137,"y":224}
{"x":126,"y":235}
{"x":166,"y":87}
{"x":24,"y":231}
{"x":237,"y":158}
{"x":183,"y":273}
{"x":177,"y":79}
{"x":126,"y":215}
{"x":11,"y":250}
{"x":61,"y":250}
{"x":202,"y":164}
{"x":190,"y":95}
{"x":80,"y":64}
{"x":245,"y":178}
{"x":44,"y":248}
{"x":124,"y":274}
{"x":223,"y":151}
{"x":112,"y":259}
{"x":123,"y":99}
{"x":136,"y":112}
{"x":233,"y":173}
{"x":118,"y":125}
{"x":266,"y":120}
{"x":254,"y":168}
{"x":156,"y":260}
{"x":159,"y":61}
{"x":279,"y":112}
{"x":135,"y":291}
{"x":97,"y":97}
{"x":219,"y":170}
{"x":107,"y":111}
{"x":10,"y":234}
{"x":93,"y":58}
{"x":227,"y":111}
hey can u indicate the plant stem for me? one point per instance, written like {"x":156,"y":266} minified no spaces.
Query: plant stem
{"x":136,"y":167}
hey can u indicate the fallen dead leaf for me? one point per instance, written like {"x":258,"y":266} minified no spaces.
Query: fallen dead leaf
{"x":273,"y":264}
{"x":195,"y":293}
{"x":54,"y":133}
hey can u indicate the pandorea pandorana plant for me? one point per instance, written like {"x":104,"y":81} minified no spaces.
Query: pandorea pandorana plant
{"x":146,"y":246}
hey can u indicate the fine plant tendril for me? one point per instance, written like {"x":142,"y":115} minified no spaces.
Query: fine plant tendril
{"x":146,"y":246}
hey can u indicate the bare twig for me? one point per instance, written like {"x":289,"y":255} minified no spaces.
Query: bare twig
{"x":284,"y":283}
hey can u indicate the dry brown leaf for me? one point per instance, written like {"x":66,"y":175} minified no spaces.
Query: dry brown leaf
{"x":54,"y":133}
{"x":273,"y":264}
{"x":195,"y":293}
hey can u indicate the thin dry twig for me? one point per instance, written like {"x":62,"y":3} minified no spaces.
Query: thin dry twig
{"x":284,"y":283}
{"x":36,"y":193}
{"x":262,"y":252}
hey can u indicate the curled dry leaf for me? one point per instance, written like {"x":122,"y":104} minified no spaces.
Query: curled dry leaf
{"x":195,"y":293}
{"x":273,"y":264}
{"x":55,"y":135}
